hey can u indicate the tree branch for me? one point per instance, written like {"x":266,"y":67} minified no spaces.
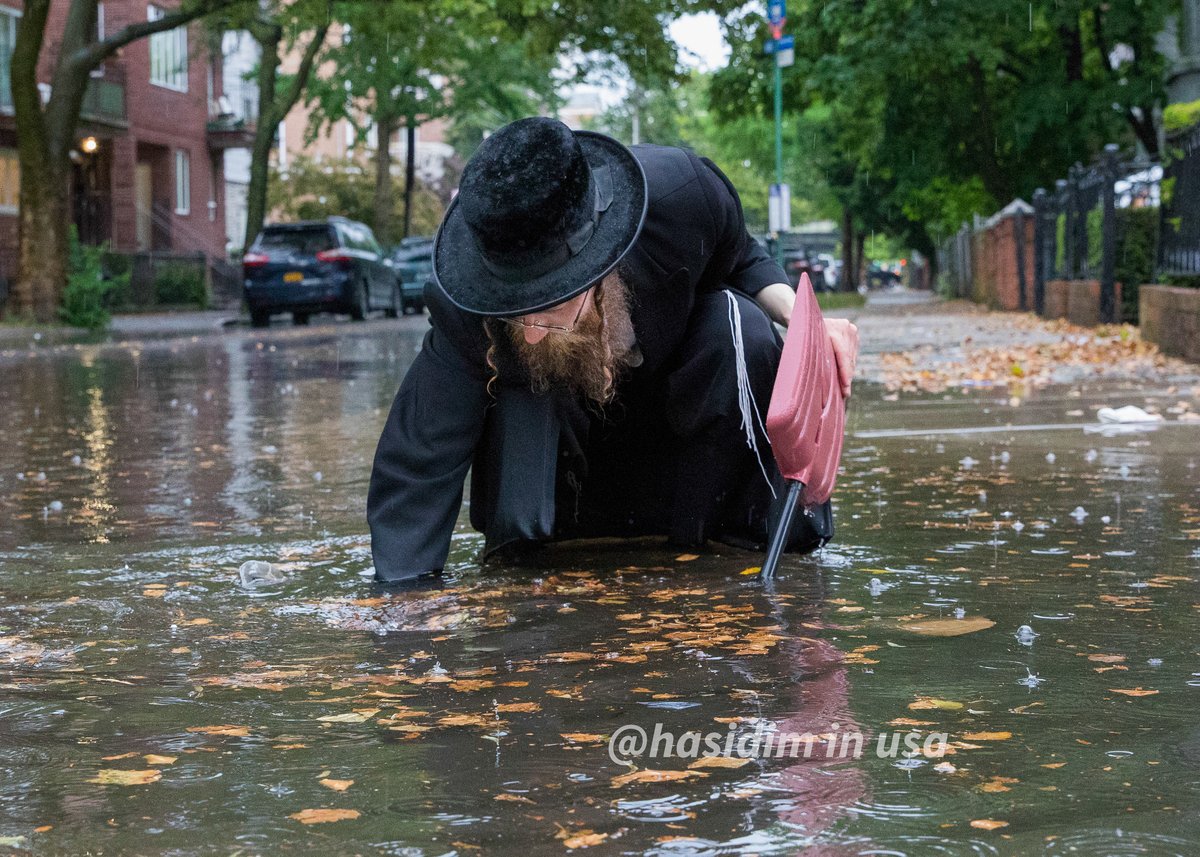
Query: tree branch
{"x":91,"y":56}
{"x":300,"y":78}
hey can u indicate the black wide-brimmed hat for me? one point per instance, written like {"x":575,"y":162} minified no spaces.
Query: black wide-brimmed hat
{"x":542,"y":213}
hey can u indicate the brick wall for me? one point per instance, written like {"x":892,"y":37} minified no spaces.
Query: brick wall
{"x":1170,"y":318}
{"x":995,"y":277}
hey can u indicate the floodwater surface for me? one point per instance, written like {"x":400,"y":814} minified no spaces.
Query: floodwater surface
{"x":153,"y":702}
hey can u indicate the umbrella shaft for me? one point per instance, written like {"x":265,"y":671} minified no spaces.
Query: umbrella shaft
{"x":779,"y":538}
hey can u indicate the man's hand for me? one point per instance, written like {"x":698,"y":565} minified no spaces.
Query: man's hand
{"x":843,"y":336}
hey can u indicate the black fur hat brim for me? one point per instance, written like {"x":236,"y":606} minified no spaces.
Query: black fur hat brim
{"x":461,"y":274}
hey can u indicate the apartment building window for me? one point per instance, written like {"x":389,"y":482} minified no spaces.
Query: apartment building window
{"x":10,"y":181}
{"x":168,"y":55}
{"x":8,"y":36}
{"x":183,"y":182}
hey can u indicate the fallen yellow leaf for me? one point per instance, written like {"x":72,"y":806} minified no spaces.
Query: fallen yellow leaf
{"x":988,"y":824}
{"x":235,"y":731}
{"x":687,"y":557}
{"x":336,"y":785}
{"x":1135,"y":691}
{"x":649,"y":776}
{"x":987,"y":736}
{"x":719,"y":762}
{"x":582,"y":737}
{"x":320,"y":816}
{"x":947,"y":627}
{"x":929,"y":702}
{"x":518,"y":706}
{"x":154,"y":759}
{"x":361,"y":715}
{"x":126,"y":778}
{"x":584,"y":840}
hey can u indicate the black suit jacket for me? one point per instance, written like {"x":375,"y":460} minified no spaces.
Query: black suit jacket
{"x":694,"y":240}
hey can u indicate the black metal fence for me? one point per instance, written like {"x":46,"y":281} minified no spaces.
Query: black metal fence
{"x":1092,"y":226}
{"x":1179,"y":243}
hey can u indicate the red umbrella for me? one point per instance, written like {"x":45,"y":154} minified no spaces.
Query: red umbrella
{"x":807,"y":416}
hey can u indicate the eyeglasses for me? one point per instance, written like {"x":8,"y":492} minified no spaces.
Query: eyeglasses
{"x":519,"y":321}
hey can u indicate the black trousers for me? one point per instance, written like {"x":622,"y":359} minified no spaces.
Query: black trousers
{"x":668,"y":456}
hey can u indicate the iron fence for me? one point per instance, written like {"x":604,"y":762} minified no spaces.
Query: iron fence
{"x":1179,"y":242}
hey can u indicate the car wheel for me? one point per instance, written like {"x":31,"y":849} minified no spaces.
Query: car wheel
{"x":260,"y":318}
{"x":361,"y":303}
{"x":300,"y":318}
{"x":396,"y":306}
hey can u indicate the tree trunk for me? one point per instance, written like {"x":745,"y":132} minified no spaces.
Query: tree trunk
{"x":383,"y":204}
{"x":410,"y":170}
{"x":44,"y":222}
{"x":860,"y":264}
{"x":273,"y":108}
{"x":848,"y":282}
{"x":268,"y":38}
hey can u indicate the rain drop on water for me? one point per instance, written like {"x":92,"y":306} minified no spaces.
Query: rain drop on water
{"x":1025,"y":635}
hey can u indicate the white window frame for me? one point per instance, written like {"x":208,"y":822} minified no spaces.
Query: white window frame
{"x":183,"y":181}
{"x":10,"y":180}
{"x":171,"y":47}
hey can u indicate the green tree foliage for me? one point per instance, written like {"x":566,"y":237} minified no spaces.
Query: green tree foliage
{"x":743,"y":145}
{"x":941,"y":109}
{"x":403,"y":63}
{"x":313,"y":191}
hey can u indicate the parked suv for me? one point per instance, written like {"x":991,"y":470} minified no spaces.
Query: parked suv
{"x":332,"y":265}
{"x":413,"y":262}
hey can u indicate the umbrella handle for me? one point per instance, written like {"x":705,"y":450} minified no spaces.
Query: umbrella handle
{"x":779,"y":537}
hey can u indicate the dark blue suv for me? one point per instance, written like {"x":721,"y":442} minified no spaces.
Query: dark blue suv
{"x":332,"y":265}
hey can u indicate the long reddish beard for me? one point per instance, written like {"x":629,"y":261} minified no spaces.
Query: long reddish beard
{"x":589,"y":359}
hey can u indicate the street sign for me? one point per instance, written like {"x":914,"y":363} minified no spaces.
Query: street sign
{"x":776,"y":11}
{"x":787,"y":43}
{"x":779,"y":208}
{"x":785,"y":57}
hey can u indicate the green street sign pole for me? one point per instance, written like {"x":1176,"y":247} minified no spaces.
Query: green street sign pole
{"x":778,"y":142}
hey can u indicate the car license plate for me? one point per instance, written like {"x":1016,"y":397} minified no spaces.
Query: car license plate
{"x":293,"y":277}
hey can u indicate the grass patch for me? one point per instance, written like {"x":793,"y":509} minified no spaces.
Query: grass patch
{"x":840,"y":300}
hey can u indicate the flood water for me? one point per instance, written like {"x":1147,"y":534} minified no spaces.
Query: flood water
{"x":152,"y":704}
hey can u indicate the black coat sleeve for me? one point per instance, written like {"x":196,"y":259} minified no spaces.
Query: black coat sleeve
{"x":427,"y":446}
{"x":738,"y":260}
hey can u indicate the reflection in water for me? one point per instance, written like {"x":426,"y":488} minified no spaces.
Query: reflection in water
{"x":474,"y":717}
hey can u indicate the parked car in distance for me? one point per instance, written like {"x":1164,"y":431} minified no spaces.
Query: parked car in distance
{"x":799,"y":262}
{"x":412,"y":260}
{"x":332,"y":265}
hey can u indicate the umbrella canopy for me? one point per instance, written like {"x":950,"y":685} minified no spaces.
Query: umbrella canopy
{"x":807,"y":416}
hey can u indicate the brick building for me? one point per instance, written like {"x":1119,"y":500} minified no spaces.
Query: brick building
{"x":148,"y":164}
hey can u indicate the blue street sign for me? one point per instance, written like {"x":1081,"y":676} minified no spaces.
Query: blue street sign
{"x":777,"y":45}
{"x":776,"y":11}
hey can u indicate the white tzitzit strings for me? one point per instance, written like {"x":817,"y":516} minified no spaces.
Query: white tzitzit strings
{"x":746,"y":402}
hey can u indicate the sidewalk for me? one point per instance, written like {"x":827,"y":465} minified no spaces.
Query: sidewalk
{"x":156,"y":325}
{"x":915,"y":342}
